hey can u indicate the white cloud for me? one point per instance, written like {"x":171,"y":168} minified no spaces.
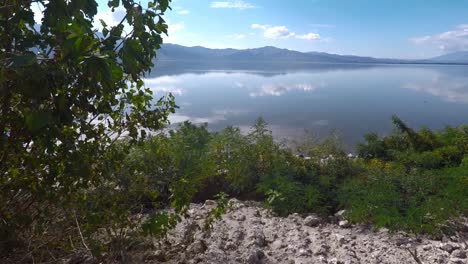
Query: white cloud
{"x":239,"y":4}
{"x":172,"y":31}
{"x":166,"y":79}
{"x":176,"y":27}
{"x":183,"y":12}
{"x":449,"y":41}
{"x":274,"y":32}
{"x":237,"y":36}
{"x":277,"y":32}
{"x":309,"y":36}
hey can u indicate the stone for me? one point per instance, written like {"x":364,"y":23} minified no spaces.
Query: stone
{"x":459,"y":254}
{"x":230,"y":246}
{"x":210,"y":203}
{"x":335,"y":261}
{"x":277,"y":244}
{"x":340,"y":240}
{"x":340,"y":214}
{"x":449,"y":247}
{"x":255,"y":257}
{"x":157,"y":255}
{"x":384,"y":231}
{"x":238,"y":235}
{"x":305,"y":252}
{"x":427,"y":247}
{"x":259,"y":239}
{"x":441,"y":259}
{"x":312,"y":221}
{"x":294,"y":217}
{"x":197,"y":247}
{"x":402,"y":241}
{"x":344,"y":224}
{"x":456,"y":261}
{"x":241,"y":218}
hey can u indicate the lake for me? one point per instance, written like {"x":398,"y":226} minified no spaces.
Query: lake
{"x":350,"y":99}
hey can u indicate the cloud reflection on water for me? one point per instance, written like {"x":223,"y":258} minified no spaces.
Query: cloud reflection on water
{"x":449,"y":88}
{"x":165,"y":84}
{"x":281,"y":89}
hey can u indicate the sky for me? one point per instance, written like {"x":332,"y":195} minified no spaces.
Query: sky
{"x":378,"y":28}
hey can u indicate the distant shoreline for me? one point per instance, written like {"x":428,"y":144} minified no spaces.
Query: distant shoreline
{"x":315,"y":63}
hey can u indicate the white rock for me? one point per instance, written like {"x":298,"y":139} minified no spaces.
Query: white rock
{"x":340,"y":240}
{"x":459,"y":254}
{"x":344,"y":224}
{"x":427,"y":247}
{"x":449,"y":247}
{"x":210,"y":203}
{"x":277,"y":244}
{"x":312,"y":221}
{"x":340,"y":214}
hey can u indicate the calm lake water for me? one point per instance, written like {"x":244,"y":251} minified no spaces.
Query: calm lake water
{"x":350,"y":99}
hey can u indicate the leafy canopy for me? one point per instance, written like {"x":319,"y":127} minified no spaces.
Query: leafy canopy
{"x":67,"y":93}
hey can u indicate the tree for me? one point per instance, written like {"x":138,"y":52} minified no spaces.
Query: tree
{"x":67,"y":93}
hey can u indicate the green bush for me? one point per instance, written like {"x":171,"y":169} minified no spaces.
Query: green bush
{"x":419,"y":202}
{"x":285,"y":196}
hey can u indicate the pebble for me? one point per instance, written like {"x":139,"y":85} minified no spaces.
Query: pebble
{"x":459,"y":254}
{"x":344,"y":224}
{"x":449,"y":248}
{"x":312,"y":221}
{"x":255,"y":257}
{"x":210,"y":203}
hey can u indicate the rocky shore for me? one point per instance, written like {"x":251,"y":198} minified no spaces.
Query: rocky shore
{"x":249,"y":233}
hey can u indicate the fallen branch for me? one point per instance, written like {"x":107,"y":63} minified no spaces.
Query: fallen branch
{"x":79,"y":230}
{"x":414,"y":254}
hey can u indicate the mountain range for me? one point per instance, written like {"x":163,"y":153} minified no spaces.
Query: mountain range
{"x":174,"y":52}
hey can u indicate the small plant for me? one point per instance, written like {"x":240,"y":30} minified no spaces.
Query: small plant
{"x":217,"y":212}
{"x":273,"y":196}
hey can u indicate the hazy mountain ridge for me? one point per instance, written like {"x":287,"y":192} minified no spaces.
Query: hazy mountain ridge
{"x":174,"y":52}
{"x":455,"y":57}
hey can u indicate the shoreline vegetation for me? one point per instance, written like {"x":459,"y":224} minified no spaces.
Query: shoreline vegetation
{"x":415,"y":181}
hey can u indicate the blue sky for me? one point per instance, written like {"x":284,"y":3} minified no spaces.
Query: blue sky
{"x":379,"y":28}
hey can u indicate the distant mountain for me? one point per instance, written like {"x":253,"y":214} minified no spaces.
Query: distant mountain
{"x":456,"y":57}
{"x":173,"y":52}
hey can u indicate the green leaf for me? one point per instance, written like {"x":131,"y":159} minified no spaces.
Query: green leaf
{"x":26,"y":59}
{"x":113,"y":3}
{"x":37,"y":120}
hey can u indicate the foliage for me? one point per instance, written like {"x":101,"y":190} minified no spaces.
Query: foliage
{"x":217,"y":212}
{"x":415,"y":180}
{"x":286,"y":197}
{"x":67,"y":93}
